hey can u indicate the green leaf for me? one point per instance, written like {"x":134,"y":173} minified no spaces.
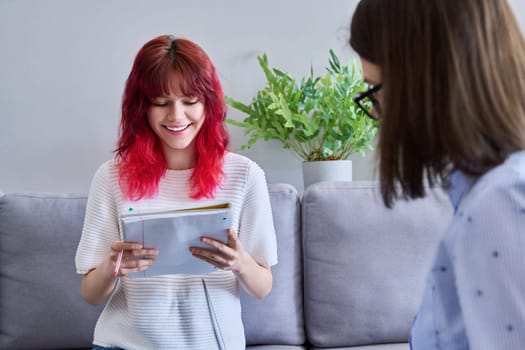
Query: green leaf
{"x":316,"y":118}
{"x":239,"y":106}
{"x":263,"y":62}
{"x":334,"y":62}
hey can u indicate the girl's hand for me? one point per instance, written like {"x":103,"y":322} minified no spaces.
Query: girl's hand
{"x":255,"y":278}
{"x":230,"y":256}
{"x":135,"y":258}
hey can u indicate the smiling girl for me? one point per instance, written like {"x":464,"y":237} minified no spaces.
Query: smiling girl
{"x":172,"y":153}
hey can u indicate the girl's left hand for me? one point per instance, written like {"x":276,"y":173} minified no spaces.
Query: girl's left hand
{"x":228,"y":256}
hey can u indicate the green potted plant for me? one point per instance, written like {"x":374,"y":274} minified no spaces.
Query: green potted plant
{"x":316,"y":118}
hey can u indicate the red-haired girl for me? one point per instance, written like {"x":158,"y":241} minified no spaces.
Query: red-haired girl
{"x":172,"y":153}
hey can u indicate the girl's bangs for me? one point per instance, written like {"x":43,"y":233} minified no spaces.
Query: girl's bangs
{"x":157,"y":83}
{"x":167,"y":79}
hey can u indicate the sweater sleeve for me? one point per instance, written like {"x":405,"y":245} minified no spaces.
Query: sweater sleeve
{"x":100,"y":228}
{"x":256,"y":229}
{"x":489,"y":262}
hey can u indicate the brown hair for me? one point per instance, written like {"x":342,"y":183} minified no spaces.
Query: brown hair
{"x":453,"y":75}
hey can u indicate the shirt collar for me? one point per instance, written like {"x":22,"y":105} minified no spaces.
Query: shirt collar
{"x":459,"y":185}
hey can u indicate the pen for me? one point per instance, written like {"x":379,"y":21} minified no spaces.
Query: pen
{"x":117,"y":265}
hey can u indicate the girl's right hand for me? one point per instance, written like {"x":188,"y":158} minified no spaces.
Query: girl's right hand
{"x":135,"y":258}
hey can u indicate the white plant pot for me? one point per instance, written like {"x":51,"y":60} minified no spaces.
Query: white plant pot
{"x":326,"y":170}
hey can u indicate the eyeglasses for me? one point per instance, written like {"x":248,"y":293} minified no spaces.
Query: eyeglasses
{"x":366,"y":100}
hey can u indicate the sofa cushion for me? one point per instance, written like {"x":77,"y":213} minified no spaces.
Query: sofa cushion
{"x":391,"y":346}
{"x":278,"y":318}
{"x":365,"y":265}
{"x":275,"y":347}
{"x":41,"y":306}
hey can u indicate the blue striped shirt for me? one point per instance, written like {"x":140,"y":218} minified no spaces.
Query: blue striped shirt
{"x":475,"y":292}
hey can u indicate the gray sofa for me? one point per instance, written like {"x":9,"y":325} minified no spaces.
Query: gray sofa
{"x":350,"y":271}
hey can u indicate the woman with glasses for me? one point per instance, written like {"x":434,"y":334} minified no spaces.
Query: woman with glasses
{"x":447,"y":82}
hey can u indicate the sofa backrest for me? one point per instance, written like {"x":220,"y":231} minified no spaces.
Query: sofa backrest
{"x":278,"y":318}
{"x":41,"y":306}
{"x":364,"y":268}
{"x":364,"y":264}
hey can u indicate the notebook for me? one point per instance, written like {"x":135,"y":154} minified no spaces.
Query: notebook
{"x":173,"y":232}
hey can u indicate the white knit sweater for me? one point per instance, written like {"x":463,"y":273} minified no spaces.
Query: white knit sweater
{"x":171,"y":312}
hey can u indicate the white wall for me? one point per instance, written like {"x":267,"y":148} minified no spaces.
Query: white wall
{"x":63,"y":64}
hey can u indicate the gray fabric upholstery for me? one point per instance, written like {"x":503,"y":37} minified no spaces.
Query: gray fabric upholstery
{"x":392,"y":346}
{"x":41,"y":306}
{"x":275,"y":347}
{"x":365,"y":265}
{"x":278,"y":318}
{"x":361,"y":268}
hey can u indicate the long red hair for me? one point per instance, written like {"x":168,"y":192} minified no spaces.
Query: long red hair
{"x":140,"y":158}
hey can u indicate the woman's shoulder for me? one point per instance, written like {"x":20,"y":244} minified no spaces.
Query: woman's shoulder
{"x":508,"y":174}
{"x":241,"y":168}
{"x":239,"y":161}
{"x":506,"y":181}
{"x":108,"y":166}
{"x":492,"y":214}
{"x":107,"y":171}
{"x":516,"y":164}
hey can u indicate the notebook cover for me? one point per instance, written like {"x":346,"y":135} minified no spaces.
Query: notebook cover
{"x":173,"y":235}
